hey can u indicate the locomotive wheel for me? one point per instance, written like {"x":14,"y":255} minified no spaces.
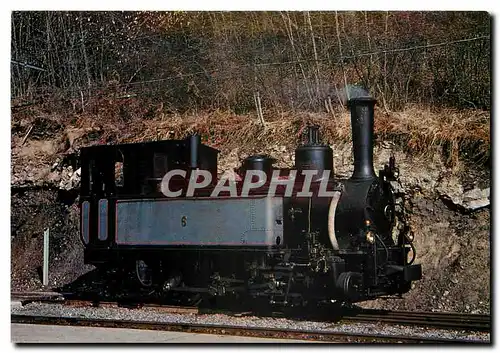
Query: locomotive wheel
{"x":351,"y":284}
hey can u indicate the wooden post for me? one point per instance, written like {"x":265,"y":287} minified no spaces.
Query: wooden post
{"x":46,"y":257}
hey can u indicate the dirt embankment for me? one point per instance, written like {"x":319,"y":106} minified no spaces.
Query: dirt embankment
{"x":32,"y":212}
{"x":447,"y":206}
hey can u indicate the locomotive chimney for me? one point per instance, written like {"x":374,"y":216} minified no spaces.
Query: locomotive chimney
{"x":362,"y":136}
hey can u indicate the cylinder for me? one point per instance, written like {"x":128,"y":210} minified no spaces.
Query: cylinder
{"x":194,"y":146}
{"x":362,"y":137}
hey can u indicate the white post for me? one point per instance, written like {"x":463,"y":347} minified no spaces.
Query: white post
{"x":46,"y":257}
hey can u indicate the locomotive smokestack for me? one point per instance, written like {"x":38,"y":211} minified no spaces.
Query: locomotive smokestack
{"x":362,"y":136}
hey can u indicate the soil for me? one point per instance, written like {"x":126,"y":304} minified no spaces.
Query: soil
{"x":454,"y":250}
{"x":33,"y":211}
{"x":453,"y":246}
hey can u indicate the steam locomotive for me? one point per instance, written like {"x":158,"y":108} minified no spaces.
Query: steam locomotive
{"x":320,"y":239}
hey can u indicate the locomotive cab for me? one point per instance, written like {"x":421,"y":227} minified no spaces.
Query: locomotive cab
{"x":115,"y":174}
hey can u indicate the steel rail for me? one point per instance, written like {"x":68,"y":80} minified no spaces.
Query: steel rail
{"x":443,"y":320}
{"x":472,"y":322}
{"x":218,"y":329}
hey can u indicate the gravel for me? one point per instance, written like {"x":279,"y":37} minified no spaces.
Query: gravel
{"x":152,"y":315}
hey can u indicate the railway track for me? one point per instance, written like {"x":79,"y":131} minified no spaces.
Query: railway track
{"x":449,"y":321}
{"x":459,"y":321}
{"x":36,"y":296}
{"x":263,"y":332}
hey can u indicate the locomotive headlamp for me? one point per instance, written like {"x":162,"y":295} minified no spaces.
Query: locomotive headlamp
{"x":369,"y":237}
{"x":410,"y":237}
{"x":368,"y":222}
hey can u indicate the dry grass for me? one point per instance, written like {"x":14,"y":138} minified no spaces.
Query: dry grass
{"x":457,"y":132}
{"x":418,"y":130}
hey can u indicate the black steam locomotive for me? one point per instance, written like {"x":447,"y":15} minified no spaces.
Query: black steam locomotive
{"x":288,"y":247}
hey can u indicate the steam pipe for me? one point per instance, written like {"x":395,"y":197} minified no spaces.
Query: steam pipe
{"x":331,"y":220}
{"x":362,"y":136}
